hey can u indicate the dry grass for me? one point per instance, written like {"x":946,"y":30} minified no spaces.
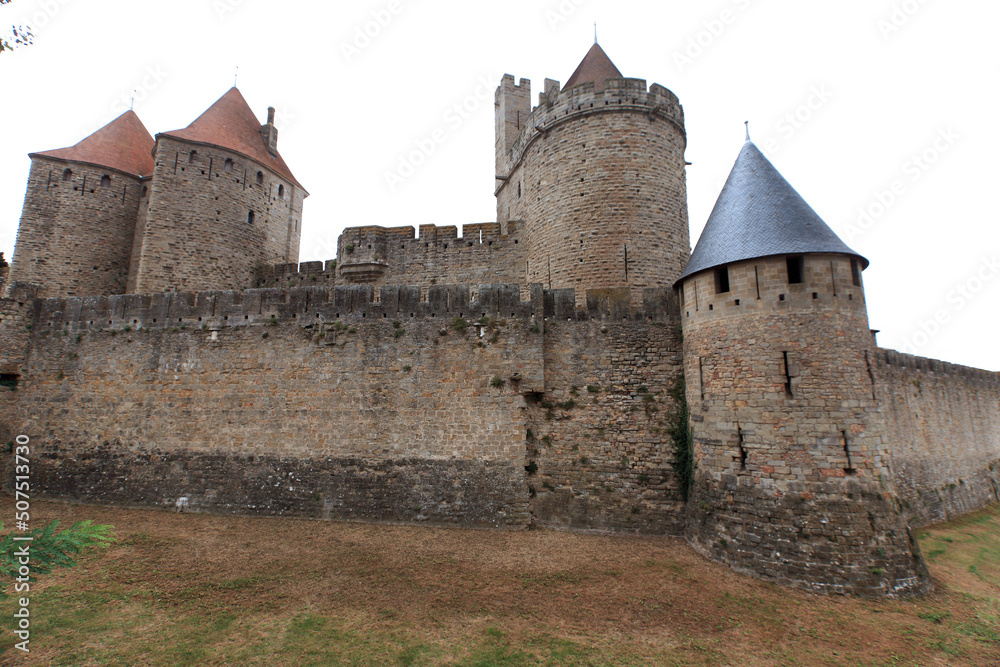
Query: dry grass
{"x":208,"y":590}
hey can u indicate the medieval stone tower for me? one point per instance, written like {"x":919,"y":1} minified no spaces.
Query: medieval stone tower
{"x":222,"y":204}
{"x":793,"y":478}
{"x":596,"y":175}
{"x":200,"y":208}
{"x":80,"y":212}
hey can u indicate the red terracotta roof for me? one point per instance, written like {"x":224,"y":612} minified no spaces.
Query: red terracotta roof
{"x":230,"y":124}
{"x":123,"y":144}
{"x":596,"y":67}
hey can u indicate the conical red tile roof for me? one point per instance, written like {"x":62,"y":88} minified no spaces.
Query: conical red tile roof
{"x":595,"y":67}
{"x":123,"y":144}
{"x":231,"y":124}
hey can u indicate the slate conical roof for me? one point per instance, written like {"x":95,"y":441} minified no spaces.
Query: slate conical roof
{"x":760,"y":214}
{"x":595,"y":67}
{"x":123,"y":144}
{"x":231,"y":124}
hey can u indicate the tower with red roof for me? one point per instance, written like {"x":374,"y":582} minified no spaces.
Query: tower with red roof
{"x":222,"y":203}
{"x":80,"y":210}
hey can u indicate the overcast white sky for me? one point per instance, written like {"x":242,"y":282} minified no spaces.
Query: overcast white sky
{"x":850,"y":100}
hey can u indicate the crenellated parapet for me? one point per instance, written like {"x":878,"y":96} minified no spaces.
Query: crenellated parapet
{"x":375,"y":255}
{"x":893,"y":359}
{"x":557,"y":107}
{"x":316,"y":305}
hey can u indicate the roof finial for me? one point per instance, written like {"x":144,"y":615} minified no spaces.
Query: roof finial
{"x":131,"y":104}
{"x":747,"y":123}
{"x":236,"y":77}
{"x":595,"y":32}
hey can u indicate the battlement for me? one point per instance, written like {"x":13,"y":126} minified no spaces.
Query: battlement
{"x":377,"y":256}
{"x":896,"y":359}
{"x":313,"y":305}
{"x":557,"y":106}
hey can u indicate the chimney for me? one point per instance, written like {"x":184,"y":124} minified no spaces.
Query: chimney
{"x":270,"y":133}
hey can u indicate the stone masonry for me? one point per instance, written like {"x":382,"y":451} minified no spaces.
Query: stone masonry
{"x":572,"y":365}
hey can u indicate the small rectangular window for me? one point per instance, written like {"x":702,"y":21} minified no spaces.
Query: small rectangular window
{"x":722,"y":280}
{"x":796,"y":267}
{"x":856,"y":272}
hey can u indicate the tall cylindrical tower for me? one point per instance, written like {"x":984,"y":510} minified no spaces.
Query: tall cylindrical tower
{"x":80,"y":210}
{"x":596,"y":172}
{"x":793,"y":478}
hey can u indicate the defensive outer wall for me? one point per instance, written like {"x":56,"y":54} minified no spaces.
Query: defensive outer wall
{"x":479,"y":410}
{"x":468,"y":406}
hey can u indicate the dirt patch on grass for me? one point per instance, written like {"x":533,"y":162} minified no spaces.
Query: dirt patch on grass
{"x":183,"y":589}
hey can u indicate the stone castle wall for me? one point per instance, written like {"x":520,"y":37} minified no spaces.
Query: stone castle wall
{"x":198,"y":232}
{"x":380,"y":256}
{"x":16,"y":320}
{"x":75,"y":235}
{"x":792,"y":478}
{"x":598,"y":179}
{"x":337,"y":405}
{"x":944,"y":428}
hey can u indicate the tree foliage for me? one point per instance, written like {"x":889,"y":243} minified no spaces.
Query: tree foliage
{"x":19,"y":35}
{"x":49,"y":549}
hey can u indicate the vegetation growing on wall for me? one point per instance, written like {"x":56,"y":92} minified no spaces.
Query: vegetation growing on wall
{"x":683,"y":437}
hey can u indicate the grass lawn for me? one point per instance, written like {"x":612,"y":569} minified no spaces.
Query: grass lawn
{"x":186,"y":589}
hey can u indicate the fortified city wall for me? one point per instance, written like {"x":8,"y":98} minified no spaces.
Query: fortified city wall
{"x":334,"y":405}
{"x":379,"y":256}
{"x":944,"y":428}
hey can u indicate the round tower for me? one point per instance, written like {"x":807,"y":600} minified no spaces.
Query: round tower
{"x":80,"y":209}
{"x":596,"y":172}
{"x":793,"y":478}
{"x":222,"y":203}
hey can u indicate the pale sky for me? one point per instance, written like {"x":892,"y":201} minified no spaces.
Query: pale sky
{"x":883,"y":106}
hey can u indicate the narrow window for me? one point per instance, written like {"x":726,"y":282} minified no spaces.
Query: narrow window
{"x":796,"y":266}
{"x":105,"y":181}
{"x":756,"y":280}
{"x":228,"y":166}
{"x":722,"y":280}
{"x":849,"y":470}
{"x":260,"y":178}
{"x":701,"y":377}
{"x":788,"y":375}
{"x":743,"y":449}
{"x":518,"y":190}
{"x":250,"y":217}
{"x":281,"y":191}
{"x":856,"y":272}
{"x":145,"y":191}
{"x":192,"y":156}
{"x":67,"y":174}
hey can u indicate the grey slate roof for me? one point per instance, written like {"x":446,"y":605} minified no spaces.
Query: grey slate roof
{"x":759,"y":214}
